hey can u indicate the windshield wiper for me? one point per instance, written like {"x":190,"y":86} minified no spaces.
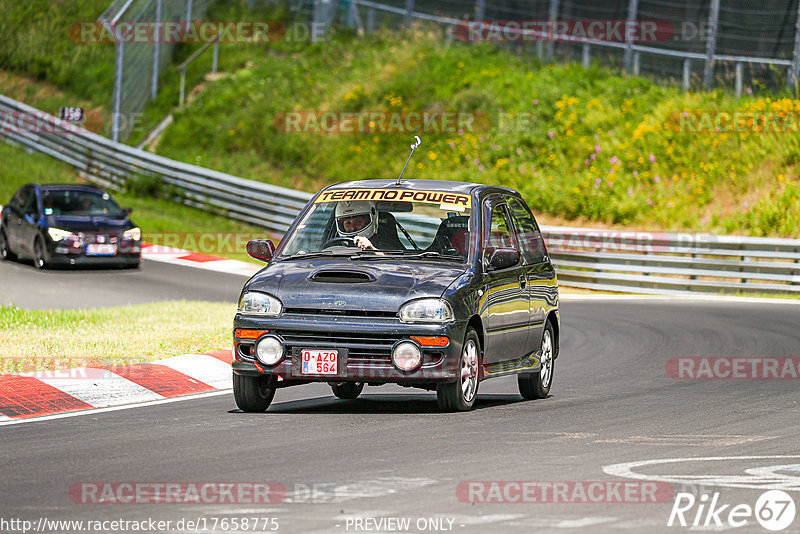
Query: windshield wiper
{"x":433,"y":255}
{"x":321,"y":253}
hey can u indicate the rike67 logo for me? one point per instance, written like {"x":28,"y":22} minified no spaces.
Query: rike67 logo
{"x":774,"y":510}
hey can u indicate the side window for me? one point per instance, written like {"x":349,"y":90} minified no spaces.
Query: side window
{"x":30,"y":203}
{"x":500,"y":232}
{"x":530,"y":238}
{"x":18,"y":201}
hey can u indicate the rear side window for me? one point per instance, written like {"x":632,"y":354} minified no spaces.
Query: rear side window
{"x":29,"y":201}
{"x":530,"y":238}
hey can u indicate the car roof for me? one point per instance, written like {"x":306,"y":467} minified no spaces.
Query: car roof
{"x":428,"y":185}
{"x":68,"y":187}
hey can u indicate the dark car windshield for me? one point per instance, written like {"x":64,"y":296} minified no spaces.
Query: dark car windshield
{"x":435,"y":223}
{"x":80,"y":204}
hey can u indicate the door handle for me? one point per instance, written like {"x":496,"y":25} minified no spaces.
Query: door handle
{"x":523,"y":281}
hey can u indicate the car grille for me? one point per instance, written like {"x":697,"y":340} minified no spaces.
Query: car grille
{"x":361,"y":347}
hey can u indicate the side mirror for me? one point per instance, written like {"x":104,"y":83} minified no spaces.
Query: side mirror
{"x":502,"y":258}
{"x":127,"y":211}
{"x":261,"y":249}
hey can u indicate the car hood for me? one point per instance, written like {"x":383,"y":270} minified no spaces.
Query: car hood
{"x":89,"y":224}
{"x":353,"y":285}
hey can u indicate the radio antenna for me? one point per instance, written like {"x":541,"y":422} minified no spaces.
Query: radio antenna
{"x":413,"y":147}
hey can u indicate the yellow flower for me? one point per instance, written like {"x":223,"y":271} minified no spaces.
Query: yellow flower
{"x":431,"y":155}
{"x":460,"y":64}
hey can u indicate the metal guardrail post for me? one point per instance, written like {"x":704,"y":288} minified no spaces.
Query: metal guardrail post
{"x":188,"y":12}
{"x":552,"y":17}
{"x":794,"y":70}
{"x":183,"y":88}
{"x":117,"y":103}
{"x":739,"y":79}
{"x":687,"y":74}
{"x":586,"y":55}
{"x":633,"y":14}
{"x":215,"y":59}
{"x":480,"y":9}
{"x":637,"y":59}
{"x":156,"y":52}
{"x":713,"y":24}
{"x":409,"y":13}
{"x":370,"y":20}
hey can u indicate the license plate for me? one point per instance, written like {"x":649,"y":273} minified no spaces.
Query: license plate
{"x":319,"y":362}
{"x":96,"y":249}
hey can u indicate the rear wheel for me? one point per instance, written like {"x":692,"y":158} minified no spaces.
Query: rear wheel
{"x":253,"y":393}
{"x":537,"y":385}
{"x":5,"y":252}
{"x":39,"y":254}
{"x":459,"y":396}
{"x":348,"y":390}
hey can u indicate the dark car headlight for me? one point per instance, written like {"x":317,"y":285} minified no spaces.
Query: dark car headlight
{"x":255,"y":303}
{"x":426,"y":311}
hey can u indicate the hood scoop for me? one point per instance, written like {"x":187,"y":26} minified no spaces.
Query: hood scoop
{"x":342,"y":276}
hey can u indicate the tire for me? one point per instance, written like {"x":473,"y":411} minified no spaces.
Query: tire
{"x":252,"y":393}
{"x":459,"y":396}
{"x":5,"y":251}
{"x":537,"y":385}
{"x":348,"y":390}
{"x":39,"y":254}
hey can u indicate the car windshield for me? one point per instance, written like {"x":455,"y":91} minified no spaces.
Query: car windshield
{"x":79,"y":204}
{"x":424,"y":224}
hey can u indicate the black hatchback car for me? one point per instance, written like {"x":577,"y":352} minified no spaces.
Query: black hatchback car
{"x":70,"y":225}
{"x":429,"y":284}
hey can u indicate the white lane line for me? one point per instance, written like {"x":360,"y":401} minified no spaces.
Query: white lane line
{"x":700,"y":297}
{"x":117,"y":408}
{"x":102,"y":391}
{"x":202,"y":367}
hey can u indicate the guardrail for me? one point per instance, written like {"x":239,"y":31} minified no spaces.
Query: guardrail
{"x":612,"y":260}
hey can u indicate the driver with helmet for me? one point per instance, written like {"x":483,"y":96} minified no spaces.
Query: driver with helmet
{"x":359,"y":220}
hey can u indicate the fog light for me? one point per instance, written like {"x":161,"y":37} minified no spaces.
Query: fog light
{"x":406,"y":356}
{"x":269,"y":350}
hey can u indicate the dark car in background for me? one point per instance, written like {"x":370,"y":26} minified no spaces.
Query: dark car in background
{"x":68,"y":225}
{"x":439,"y":286}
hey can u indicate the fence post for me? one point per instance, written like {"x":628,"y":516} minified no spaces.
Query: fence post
{"x":156,"y":52}
{"x":117,"y":104}
{"x":480,"y":9}
{"x":409,"y":11}
{"x":183,"y":86}
{"x":370,"y":20}
{"x":637,"y":57}
{"x":551,"y":32}
{"x":713,"y":23}
{"x":687,"y":74}
{"x":739,"y":76}
{"x":794,"y":70}
{"x":585,"y":56}
{"x":188,"y":12}
{"x":215,"y":60}
{"x":633,"y":14}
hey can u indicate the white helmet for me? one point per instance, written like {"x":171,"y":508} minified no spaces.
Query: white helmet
{"x":353,"y":208}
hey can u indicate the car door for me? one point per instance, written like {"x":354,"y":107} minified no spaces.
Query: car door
{"x":14,"y":219}
{"x":541,"y":286}
{"x":29,"y":221}
{"x":504,"y":305}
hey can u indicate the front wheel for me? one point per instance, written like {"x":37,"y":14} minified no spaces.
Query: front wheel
{"x":39,"y":254}
{"x":537,"y":385}
{"x":459,"y":396}
{"x":252,"y":393}
{"x":348,"y":390}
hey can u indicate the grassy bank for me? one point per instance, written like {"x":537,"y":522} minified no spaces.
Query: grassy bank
{"x":161,"y":221}
{"x":583,"y":145}
{"x":46,"y":340}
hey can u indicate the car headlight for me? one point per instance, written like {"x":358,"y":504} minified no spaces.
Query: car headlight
{"x":133,"y":233}
{"x":57,"y":234}
{"x":254,"y":303}
{"x":426,"y":311}
{"x":269,"y":350}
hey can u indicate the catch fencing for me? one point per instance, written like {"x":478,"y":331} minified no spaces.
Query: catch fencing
{"x":634,"y":262}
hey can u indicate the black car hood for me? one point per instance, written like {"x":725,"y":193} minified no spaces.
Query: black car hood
{"x":89,"y":224}
{"x":337,"y":284}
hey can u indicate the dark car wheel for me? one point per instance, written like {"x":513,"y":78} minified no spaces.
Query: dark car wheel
{"x":459,"y":396}
{"x":348,"y":390}
{"x":5,"y":252}
{"x":537,"y":385}
{"x":39,"y":254}
{"x":252,"y":393}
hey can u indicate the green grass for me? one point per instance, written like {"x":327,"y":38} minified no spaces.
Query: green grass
{"x":162,"y":221}
{"x":594,"y":148}
{"x":46,"y":340}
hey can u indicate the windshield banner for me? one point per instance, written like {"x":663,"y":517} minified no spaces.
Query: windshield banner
{"x":396,"y":195}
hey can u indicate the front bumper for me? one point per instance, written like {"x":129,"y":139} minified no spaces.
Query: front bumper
{"x":365,"y":345}
{"x":65,"y":253}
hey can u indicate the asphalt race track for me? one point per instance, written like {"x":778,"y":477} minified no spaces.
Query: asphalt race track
{"x":348,"y":464}
{"x":22,"y":285}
